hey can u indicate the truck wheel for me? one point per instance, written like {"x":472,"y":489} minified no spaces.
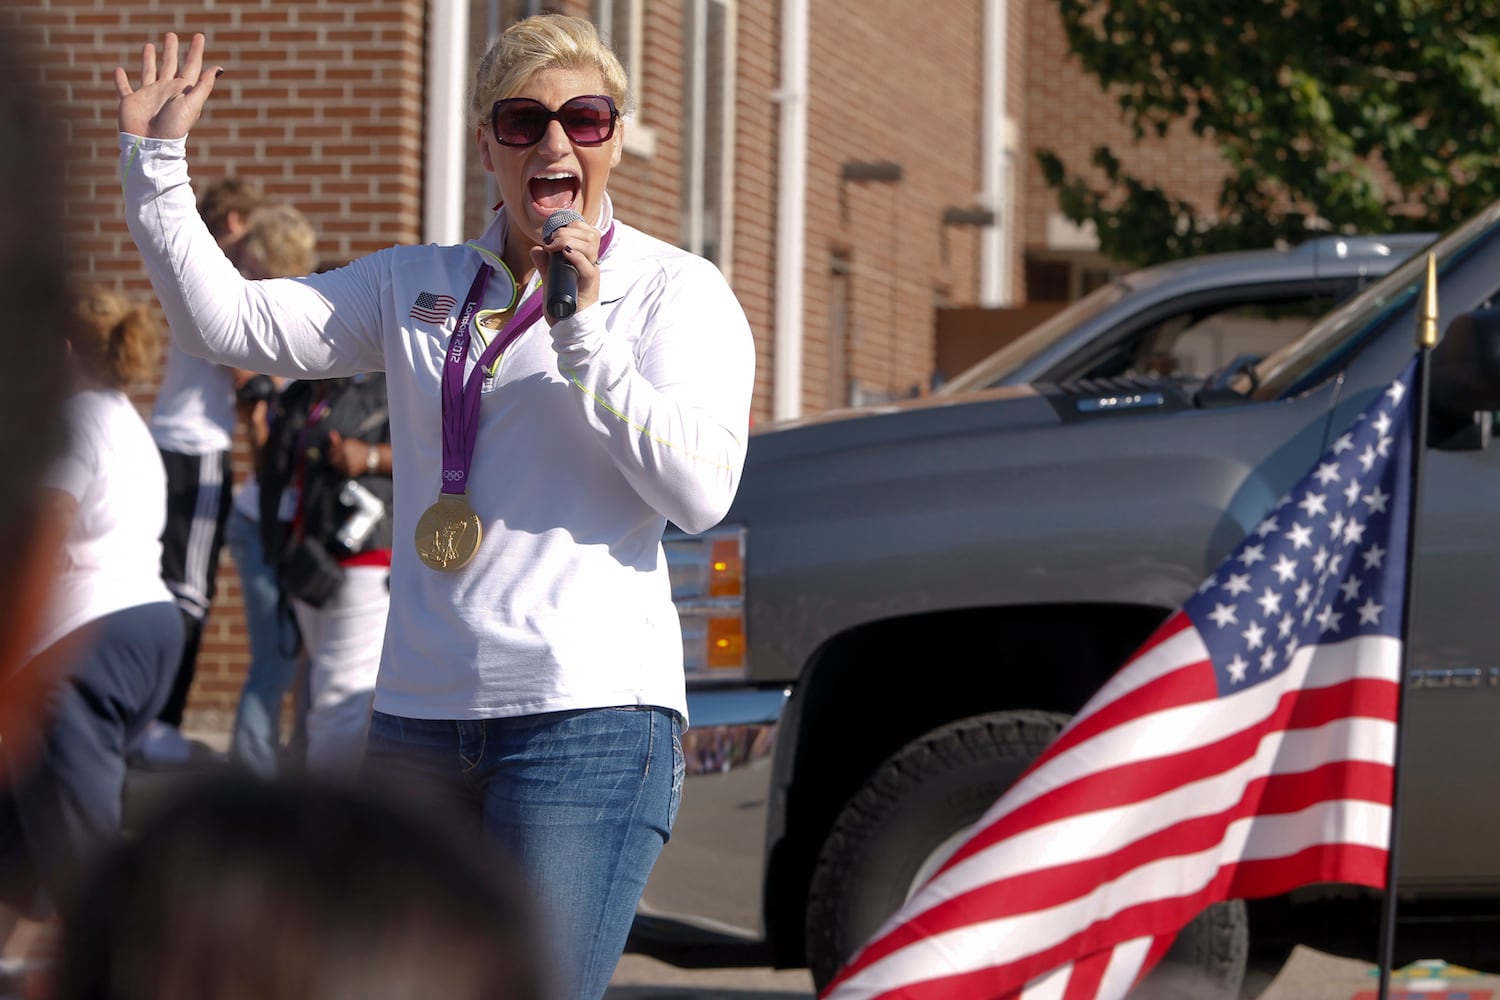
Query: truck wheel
{"x":915,"y":811}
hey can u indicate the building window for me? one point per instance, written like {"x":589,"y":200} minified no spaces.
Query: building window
{"x":619,"y":24}
{"x":501,"y":14}
{"x":708,"y":128}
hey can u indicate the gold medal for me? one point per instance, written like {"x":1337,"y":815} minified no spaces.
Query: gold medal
{"x":448,"y":532}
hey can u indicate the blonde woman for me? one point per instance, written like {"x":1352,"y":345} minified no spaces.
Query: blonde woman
{"x":111,"y":632}
{"x":531,"y":676}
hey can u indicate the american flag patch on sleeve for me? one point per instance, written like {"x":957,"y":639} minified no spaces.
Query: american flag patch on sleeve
{"x":432,"y":308}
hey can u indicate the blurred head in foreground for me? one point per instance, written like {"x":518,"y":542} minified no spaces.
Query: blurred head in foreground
{"x":298,"y":891}
{"x":33,"y":272}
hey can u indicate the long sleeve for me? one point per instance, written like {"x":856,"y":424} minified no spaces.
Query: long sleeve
{"x":672,"y":410}
{"x":320,"y":326}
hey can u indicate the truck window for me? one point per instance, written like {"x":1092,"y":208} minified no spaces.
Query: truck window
{"x":1326,"y":346}
{"x":1196,"y":342}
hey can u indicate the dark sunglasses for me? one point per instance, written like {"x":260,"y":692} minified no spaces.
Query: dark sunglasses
{"x":588,"y":120}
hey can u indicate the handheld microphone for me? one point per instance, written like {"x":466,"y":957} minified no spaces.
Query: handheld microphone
{"x":562,"y":277}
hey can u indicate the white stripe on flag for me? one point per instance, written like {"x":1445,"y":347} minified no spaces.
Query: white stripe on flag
{"x":975,"y":946}
{"x":1151,"y":665}
{"x":1124,"y":965}
{"x":1050,"y":985}
{"x":1077,"y":837}
{"x":1190,"y":727}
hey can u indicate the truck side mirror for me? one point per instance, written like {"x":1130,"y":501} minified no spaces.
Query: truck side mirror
{"x":1465,"y":380}
{"x":1466,"y":363}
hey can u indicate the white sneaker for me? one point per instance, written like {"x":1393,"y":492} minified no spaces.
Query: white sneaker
{"x":163,"y":744}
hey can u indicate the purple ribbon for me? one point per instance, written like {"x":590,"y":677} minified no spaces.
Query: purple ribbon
{"x":460,"y":397}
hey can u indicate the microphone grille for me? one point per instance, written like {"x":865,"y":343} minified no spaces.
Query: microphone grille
{"x":557,"y":220}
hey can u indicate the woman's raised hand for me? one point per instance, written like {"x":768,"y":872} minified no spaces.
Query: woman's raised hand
{"x":169,"y":100}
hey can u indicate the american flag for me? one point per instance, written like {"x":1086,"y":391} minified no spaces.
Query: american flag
{"x":431,"y":307}
{"x":1246,"y":749}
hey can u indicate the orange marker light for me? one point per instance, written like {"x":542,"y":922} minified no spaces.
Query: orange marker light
{"x":725,"y":569}
{"x":726,"y":643}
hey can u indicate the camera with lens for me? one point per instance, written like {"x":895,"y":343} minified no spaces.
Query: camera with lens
{"x":257,"y":389}
{"x":367,"y":510}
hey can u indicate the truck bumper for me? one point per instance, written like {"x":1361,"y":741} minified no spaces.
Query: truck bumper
{"x":706,"y":887}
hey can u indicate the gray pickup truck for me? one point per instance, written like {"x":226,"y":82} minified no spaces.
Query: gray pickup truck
{"x":907,"y":602}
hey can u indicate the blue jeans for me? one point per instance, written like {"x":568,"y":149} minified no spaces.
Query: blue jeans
{"x":583,"y":801}
{"x":256,"y":740}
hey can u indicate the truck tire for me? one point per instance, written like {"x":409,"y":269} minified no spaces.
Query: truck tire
{"x":914,"y":812}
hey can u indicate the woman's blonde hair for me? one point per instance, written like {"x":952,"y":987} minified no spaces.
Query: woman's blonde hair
{"x":538,"y":43}
{"x":115,"y":341}
{"x":282,"y":240}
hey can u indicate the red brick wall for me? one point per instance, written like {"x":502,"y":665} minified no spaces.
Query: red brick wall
{"x":890,"y":82}
{"x":757,"y":130}
{"x":319,"y":103}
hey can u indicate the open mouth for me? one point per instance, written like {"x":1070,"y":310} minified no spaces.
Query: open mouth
{"x":550,"y":192}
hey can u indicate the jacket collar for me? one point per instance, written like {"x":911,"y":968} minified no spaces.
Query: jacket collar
{"x":491,"y":243}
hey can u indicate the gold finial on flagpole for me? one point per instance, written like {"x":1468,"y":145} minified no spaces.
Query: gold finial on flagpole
{"x":1427,"y":322}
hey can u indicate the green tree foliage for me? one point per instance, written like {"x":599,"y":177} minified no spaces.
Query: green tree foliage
{"x":1341,"y":115}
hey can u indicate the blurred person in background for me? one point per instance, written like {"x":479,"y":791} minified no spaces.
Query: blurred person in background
{"x":192,"y":422}
{"x":327,"y":528}
{"x":110,"y":634}
{"x":245,"y":890}
{"x":532,"y":676}
{"x":279,"y":242}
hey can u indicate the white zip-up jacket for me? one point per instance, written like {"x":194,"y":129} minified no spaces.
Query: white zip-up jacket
{"x":630,"y":413}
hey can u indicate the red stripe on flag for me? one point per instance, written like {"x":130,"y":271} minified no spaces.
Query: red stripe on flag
{"x":1086,"y":975}
{"x":1056,"y":885}
{"x":1192,"y":682}
{"x":1161,"y":919}
{"x":1108,"y":787}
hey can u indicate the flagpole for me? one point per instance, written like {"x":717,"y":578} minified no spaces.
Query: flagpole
{"x":1427,"y":336}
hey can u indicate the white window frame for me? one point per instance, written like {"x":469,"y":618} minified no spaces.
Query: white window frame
{"x":501,"y":14}
{"x":697,"y":115}
{"x":640,"y":138}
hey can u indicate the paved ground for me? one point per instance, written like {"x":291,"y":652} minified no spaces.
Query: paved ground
{"x":643,"y":978}
{"x":1310,"y":975}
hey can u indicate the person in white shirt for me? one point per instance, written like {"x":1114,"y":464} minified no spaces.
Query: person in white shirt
{"x":111,"y":633}
{"x":532,"y":673}
{"x":192,"y":422}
